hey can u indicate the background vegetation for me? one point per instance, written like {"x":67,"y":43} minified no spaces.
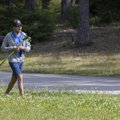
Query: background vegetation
{"x":41,"y":23}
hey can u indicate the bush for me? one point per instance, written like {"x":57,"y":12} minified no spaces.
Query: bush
{"x":38,"y":25}
{"x":73,"y":21}
{"x":55,"y":8}
{"x":95,"y":20}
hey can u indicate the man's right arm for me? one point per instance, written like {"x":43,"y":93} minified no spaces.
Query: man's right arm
{"x":5,"y":44}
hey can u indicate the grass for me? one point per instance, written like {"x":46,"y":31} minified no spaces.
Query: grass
{"x":59,"y":105}
{"x":59,"y":56}
{"x":97,"y":65}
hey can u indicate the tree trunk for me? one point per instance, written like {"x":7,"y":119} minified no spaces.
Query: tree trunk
{"x":45,"y":4}
{"x":65,"y":8}
{"x":82,"y":37}
{"x":76,"y":1}
{"x":30,"y":5}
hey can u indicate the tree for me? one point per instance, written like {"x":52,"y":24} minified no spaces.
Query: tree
{"x":30,"y":5}
{"x":65,"y":8}
{"x":45,"y":4}
{"x":6,"y":2}
{"x":82,"y":36}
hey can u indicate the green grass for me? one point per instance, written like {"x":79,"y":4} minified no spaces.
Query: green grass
{"x":96,"y":65}
{"x":61,"y":105}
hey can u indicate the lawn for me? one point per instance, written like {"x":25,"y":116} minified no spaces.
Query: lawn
{"x":61,"y":105}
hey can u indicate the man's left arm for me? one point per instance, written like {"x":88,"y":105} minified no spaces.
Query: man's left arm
{"x":26,"y":47}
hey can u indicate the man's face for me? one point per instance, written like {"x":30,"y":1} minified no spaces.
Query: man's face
{"x":17,"y":29}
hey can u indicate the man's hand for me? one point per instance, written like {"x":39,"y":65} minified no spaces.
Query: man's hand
{"x":21,"y":48}
{"x":16,"y":49}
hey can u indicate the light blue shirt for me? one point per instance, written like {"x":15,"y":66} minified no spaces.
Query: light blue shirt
{"x":8,"y":45}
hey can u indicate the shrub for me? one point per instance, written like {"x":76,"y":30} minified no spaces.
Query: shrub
{"x":73,"y":21}
{"x":38,"y":25}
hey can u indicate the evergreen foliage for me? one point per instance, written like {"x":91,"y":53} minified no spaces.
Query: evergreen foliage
{"x":106,"y":11}
{"x":101,"y":12}
{"x":39,"y":25}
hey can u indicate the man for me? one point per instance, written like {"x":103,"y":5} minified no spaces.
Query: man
{"x":10,"y":43}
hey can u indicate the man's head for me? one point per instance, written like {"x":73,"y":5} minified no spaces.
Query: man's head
{"x":17,"y":23}
{"x":17,"y":26}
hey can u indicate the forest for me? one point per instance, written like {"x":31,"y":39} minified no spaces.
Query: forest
{"x":46,"y":15}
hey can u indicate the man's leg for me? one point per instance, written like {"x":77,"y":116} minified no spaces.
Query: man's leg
{"x":20,"y":84}
{"x":11,"y":84}
{"x":17,"y":68}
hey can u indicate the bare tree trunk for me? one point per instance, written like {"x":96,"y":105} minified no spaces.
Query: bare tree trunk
{"x":82,"y":37}
{"x":45,"y":4}
{"x":65,"y":8}
{"x":30,"y":5}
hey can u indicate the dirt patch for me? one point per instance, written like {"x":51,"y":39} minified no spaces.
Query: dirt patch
{"x":106,"y":40}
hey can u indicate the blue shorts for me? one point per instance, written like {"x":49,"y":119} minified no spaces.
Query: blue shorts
{"x":16,"y":68}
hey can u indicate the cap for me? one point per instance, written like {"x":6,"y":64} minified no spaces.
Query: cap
{"x":17,"y":23}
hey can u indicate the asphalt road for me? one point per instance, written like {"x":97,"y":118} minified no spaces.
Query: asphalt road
{"x":66,"y":82}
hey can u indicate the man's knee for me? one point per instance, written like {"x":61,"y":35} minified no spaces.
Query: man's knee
{"x":20,"y":77}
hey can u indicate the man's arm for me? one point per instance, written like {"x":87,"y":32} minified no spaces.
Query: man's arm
{"x":26,"y":47}
{"x":5,"y":45}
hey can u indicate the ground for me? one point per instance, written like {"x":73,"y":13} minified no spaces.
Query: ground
{"x":105,"y":41}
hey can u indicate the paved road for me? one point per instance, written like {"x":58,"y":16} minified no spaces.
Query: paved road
{"x":66,"y":82}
